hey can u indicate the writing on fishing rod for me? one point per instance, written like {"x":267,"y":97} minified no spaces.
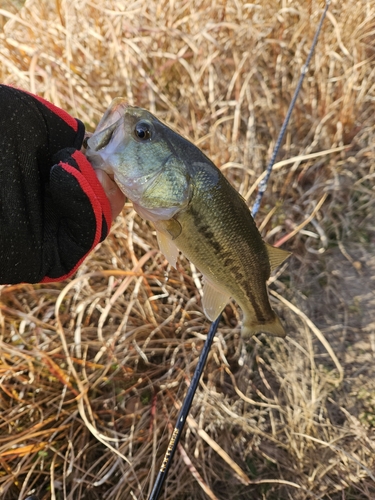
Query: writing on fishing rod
{"x":169,"y":450}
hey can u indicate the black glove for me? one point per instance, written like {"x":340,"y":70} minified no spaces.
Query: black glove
{"x":53,"y":210}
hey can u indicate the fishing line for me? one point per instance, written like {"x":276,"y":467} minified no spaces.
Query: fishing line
{"x":185,"y":408}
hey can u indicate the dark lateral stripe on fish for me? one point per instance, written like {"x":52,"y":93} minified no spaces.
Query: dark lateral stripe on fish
{"x":228,"y":262}
{"x":205,"y":230}
{"x":256,"y":305}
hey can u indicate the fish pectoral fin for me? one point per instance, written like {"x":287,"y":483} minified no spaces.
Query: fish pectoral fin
{"x":167,"y":248}
{"x":214,"y":299}
{"x":173,"y":227}
{"x":276,"y":256}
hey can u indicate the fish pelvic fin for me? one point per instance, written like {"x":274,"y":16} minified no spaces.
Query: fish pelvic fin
{"x":273,"y":327}
{"x":276,"y":256}
{"x":168,"y":248}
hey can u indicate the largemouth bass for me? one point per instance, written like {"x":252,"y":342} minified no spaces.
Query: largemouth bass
{"x":194,"y":209}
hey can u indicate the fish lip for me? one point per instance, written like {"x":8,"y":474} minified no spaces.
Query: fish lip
{"x":99,"y":140}
{"x":113,"y":114}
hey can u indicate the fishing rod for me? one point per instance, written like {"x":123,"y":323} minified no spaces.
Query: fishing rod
{"x":186,"y":405}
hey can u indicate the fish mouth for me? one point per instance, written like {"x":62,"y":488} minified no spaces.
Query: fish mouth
{"x":85,"y":141}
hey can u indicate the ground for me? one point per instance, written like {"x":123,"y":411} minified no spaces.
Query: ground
{"x":93,"y":370}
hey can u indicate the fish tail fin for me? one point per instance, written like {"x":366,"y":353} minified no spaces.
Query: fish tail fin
{"x":273,"y":327}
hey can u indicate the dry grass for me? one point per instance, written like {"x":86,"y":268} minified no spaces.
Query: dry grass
{"x":92,"y":372}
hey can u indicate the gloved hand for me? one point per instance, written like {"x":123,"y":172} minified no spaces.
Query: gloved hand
{"x":53,"y":209}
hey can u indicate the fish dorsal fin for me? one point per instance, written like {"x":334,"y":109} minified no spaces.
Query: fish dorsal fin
{"x":167,"y":248}
{"x":276,"y":256}
{"x":214,"y":299}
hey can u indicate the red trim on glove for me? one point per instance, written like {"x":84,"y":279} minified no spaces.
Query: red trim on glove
{"x":69,"y":120}
{"x":91,"y":186}
{"x":89,"y":173}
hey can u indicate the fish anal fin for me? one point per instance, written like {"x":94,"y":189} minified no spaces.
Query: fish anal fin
{"x":276,"y":256}
{"x":167,"y":248}
{"x":214,"y":299}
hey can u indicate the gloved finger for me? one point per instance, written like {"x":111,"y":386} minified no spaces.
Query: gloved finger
{"x":115,"y":196}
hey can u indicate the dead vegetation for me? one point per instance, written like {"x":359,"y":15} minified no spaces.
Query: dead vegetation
{"x":92,"y":371}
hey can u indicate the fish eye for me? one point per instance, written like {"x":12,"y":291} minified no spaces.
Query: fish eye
{"x":143,"y":131}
